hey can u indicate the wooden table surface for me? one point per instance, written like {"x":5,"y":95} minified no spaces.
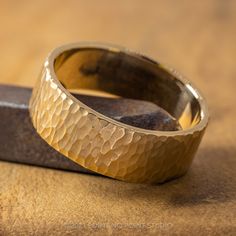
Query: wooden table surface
{"x":197,"y":38}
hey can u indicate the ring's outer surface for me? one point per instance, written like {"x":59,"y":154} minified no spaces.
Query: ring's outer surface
{"x":102,"y":144}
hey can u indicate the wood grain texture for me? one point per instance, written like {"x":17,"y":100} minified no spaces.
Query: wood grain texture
{"x":197,"y":38}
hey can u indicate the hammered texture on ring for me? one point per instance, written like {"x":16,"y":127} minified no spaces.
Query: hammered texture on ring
{"x":103,"y":145}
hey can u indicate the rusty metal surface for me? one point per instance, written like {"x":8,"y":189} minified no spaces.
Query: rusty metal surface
{"x":20,"y":143}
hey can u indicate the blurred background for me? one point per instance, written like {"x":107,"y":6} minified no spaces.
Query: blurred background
{"x":198,"y":38}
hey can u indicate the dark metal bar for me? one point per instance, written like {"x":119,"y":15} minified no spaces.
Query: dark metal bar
{"x":20,"y":143}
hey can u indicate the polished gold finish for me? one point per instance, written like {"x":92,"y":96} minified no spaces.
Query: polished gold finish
{"x":102,"y":144}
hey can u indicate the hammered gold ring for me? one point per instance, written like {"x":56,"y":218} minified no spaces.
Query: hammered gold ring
{"x":102,"y":144}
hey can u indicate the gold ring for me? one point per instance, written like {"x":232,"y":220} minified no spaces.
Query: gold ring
{"x":102,"y":144}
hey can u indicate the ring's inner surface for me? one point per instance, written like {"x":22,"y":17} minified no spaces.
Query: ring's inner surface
{"x":130,"y":76}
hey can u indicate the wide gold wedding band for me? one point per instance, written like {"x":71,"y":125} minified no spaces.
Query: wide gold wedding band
{"x":107,"y":146}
